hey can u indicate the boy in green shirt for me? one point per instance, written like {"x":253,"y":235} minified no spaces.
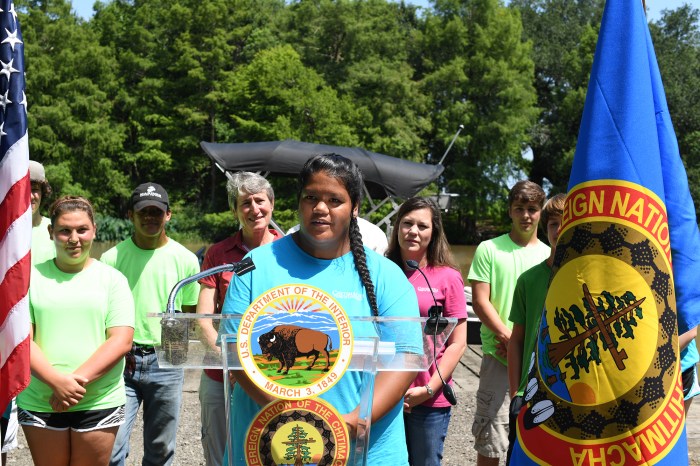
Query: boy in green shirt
{"x":526,"y":311}
{"x":493,"y":274}
{"x":153,"y":264}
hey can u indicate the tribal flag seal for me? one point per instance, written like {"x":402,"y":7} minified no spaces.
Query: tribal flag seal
{"x":604,"y":382}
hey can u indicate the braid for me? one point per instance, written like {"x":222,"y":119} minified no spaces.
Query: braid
{"x":358,"y":254}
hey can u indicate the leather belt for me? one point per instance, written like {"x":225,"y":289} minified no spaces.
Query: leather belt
{"x":144,"y":350}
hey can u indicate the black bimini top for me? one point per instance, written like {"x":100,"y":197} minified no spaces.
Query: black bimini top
{"x":385,"y":176}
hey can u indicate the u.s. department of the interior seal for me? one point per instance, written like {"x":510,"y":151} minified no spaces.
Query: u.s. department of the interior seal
{"x":295,"y":341}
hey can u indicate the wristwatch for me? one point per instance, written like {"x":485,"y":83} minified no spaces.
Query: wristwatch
{"x":430,"y":390}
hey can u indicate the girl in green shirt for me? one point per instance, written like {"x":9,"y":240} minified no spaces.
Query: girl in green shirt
{"x":82,"y":316}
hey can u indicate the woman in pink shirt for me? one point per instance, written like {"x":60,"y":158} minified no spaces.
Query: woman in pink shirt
{"x":418,"y":235}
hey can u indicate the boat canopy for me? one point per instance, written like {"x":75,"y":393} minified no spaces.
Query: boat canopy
{"x":387,"y":179}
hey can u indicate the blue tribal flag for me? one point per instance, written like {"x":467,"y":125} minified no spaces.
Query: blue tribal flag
{"x":604,"y":383}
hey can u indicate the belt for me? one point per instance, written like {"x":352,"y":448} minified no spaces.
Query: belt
{"x":143,"y":349}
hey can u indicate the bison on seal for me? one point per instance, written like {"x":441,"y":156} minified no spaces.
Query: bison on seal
{"x":286,"y":342}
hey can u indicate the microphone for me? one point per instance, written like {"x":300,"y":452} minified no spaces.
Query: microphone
{"x":435,"y":324}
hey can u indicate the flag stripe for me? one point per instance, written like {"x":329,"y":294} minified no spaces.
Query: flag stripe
{"x":14,"y":165}
{"x":14,"y":206}
{"x":14,"y":379}
{"x":16,"y":242}
{"x":14,"y":330}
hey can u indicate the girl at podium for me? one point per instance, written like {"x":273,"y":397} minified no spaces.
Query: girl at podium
{"x":327,"y":253}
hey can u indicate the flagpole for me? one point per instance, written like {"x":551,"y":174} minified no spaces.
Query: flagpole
{"x":644,"y":7}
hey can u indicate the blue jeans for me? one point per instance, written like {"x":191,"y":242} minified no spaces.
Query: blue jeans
{"x":160,"y":391}
{"x":426,"y":429}
{"x":213,"y":415}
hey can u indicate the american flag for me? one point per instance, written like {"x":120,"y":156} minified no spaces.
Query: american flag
{"x":15,"y":210}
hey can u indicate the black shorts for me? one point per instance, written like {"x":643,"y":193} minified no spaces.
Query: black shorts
{"x":3,"y":429}
{"x":79,"y":421}
{"x":691,"y":387}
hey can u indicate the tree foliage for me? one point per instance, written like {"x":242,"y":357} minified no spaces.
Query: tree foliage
{"x":676,"y":39}
{"x":564,"y":35}
{"x":128,"y":95}
{"x":478,"y":72}
{"x":71,"y":87}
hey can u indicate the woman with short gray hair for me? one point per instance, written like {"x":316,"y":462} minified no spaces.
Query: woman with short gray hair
{"x":242,"y":183}
{"x":252,"y":201}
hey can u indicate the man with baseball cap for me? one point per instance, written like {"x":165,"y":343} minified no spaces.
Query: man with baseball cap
{"x":152,"y":263}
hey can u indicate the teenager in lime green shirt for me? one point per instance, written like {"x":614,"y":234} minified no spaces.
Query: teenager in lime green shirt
{"x":493,"y":274}
{"x":82,"y":317}
{"x":153,"y":264}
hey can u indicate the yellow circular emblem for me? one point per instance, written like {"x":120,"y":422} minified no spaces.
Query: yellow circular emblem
{"x":298,"y":432}
{"x":295,"y":341}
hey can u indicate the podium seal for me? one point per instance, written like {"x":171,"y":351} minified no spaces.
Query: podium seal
{"x":295,"y":341}
{"x":297,"y":432}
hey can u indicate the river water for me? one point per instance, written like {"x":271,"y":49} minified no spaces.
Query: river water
{"x":464,"y":256}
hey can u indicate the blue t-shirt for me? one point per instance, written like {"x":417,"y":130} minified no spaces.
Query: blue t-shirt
{"x":283,"y":262}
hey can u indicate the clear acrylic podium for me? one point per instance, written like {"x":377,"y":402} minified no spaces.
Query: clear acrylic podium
{"x":379,"y":344}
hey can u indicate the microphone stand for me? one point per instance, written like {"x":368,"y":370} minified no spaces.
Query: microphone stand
{"x":239,"y":268}
{"x":174,"y":332}
{"x":435,"y":324}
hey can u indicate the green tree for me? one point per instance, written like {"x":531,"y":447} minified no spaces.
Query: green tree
{"x":71,"y":87}
{"x":362,"y":49}
{"x":177,"y":62}
{"x":564,"y":36}
{"x":478,"y":72}
{"x":676,"y":38}
{"x":277,"y":97}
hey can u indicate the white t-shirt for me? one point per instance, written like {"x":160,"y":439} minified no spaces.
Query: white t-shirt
{"x":372,"y":236}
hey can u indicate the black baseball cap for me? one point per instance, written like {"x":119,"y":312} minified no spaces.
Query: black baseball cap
{"x":149,"y":194}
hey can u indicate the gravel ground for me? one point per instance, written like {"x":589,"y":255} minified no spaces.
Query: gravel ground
{"x":458,"y":450}
{"x":458,"y":447}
